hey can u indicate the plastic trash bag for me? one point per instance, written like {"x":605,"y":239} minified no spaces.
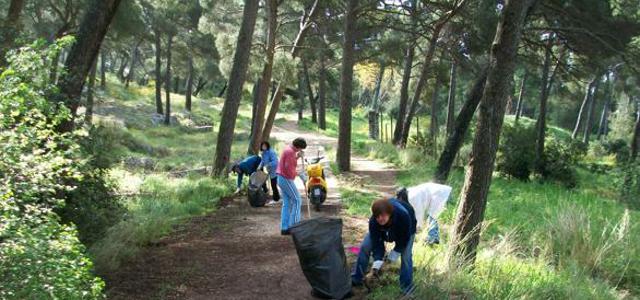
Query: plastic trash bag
{"x":321,"y":254}
{"x":428,"y":199}
{"x":256,"y":196}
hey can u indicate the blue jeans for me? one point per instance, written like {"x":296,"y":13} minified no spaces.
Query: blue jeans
{"x":433,"y":236}
{"x":291,"y":203}
{"x":406,"y":267}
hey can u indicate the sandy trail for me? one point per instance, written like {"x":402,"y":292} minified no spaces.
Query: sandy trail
{"x":237,"y":252}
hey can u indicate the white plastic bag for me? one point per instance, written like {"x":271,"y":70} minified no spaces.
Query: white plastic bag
{"x":428,"y":199}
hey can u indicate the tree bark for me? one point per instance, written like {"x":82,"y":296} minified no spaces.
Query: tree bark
{"x":451,"y":102}
{"x":635,"y":141}
{"x":473,"y":198}
{"x":585,"y":101}
{"x":541,"y":123}
{"x":460,"y":128}
{"x":404,"y":92}
{"x":300,"y":96}
{"x":167,"y":82}
{"x":589,"y":120}
{"x":234,"y":93}
{"x":602,"y":127}
{"x":343,"y":153}
{"x":312,"y":100}
{"x":189,"y":89}
{"x":88,"y":115}
{"x":433,"y":126}
{"x":422,"y":80}
{"x":10,"y":29}
{"x":374,"y":110}
{"x":199,"y":86}
{"x":134,"y":58}
{"x":406,"y":78}
{"x":263,"y":89}
{"x":322,"y":91}
{"x":520,"y":104}
{"x":103,"y":70}
{"x":83,"y":53}
{"x":271,"y":118}
{"x":158,"y":71}
{"x":406,"y":127}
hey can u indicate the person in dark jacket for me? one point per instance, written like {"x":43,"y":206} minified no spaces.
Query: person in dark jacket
{"x":246,"y":167}
{"x":391,"y":221}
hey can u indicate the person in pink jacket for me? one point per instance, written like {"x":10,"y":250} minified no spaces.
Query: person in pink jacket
{"x":286,"y":172}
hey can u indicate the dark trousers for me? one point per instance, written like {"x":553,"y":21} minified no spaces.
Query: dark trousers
{"x":274,"y":187}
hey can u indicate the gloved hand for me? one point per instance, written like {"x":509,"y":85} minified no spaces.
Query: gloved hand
{"x":393,"y":256}
{"x":377,"y":265}
{"x":300,"y":154}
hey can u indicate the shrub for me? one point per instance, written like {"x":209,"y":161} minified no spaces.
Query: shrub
{"x":559,"y":159}
{"x":40,"y":258}
{"x":628,"y":182}
{"x":516,"y":153}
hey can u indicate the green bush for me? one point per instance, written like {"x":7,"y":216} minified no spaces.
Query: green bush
{"x":516,"y":153}
{"x":40,"y":258}
{"x":559,"y":161}
{"x":628,"y":182}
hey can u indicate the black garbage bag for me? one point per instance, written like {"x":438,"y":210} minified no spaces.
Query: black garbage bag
{"x":321,"y":253}
{"x":256,"y":196}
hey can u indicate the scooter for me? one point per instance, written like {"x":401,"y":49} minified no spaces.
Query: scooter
{"x":316,"y":182}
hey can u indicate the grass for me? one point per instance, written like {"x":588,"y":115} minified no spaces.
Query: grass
{"x":164,"y":196}
{"x":357,"y":202}
{"x":579,"y":243}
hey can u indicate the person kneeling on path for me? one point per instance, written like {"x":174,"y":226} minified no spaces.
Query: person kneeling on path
{"x":246,"y":167}
{"x":286,"y":172}
{"x":391,"y":221}
{"x":270,"y":162}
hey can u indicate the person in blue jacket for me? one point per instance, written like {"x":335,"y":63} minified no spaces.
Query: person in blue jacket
{"x":246,"y":167}
{"x":391,"y":221}
{"x":270,"y":162}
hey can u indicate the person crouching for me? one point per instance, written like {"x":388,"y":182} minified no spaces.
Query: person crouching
{"x":391,"y":221}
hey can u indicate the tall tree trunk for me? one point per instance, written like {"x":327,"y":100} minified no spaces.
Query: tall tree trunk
{"x":322,"y":92}
{"x":588,"y":124}
{"x":520,"y":104}
{"x":271,"y":118}
{"x":300,"y":95}
{"x":263,"y":89}
{"x":83,"y":53}
{"x":374,"y":109}
{"x":343,"y":153}
{"x":473,"y":197}
{"x":88,"y":114}
{"x":404,"y":92}
{"x":585,"y":101}
{"x":103,"y":69}
{"x":167,"y":82}
{"x":305,"y":24}
{"x":189,"y":89}
{"x":234,"y":93}
{"x":541,"y":123}
{"x":176,"y":84}
{"x":602,"y":127}
{"x":199,"y":86}
{"x":451,"y":102}
{"x":635,"y":141}
{"x":134,"y":58}
{"x":412,"y":111}
{"x":460,"y":128}
{"x":158,"y":70}
{"x":123,"y":65}
{"x":312,"y":100}
{"x":422,"y":80}
{"x":10,"y":29}
{"x":433,"y":126}
{"x":406,"y":77}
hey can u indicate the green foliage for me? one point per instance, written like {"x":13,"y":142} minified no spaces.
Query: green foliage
{"x":628,"y":182}
{"x":516,"y":154}
{"x":559,"y":161}
{"x":40,"y":258}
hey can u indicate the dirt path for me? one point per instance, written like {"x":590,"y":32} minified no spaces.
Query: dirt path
{"x":238,"y":252}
